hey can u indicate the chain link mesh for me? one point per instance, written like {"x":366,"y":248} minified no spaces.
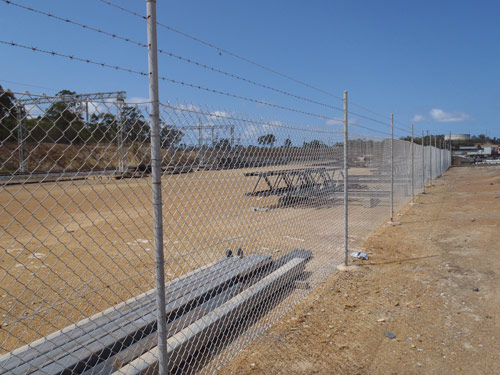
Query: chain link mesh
{"x":252,"y":221}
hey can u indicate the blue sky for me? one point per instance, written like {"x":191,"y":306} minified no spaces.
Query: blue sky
{"x":435,"y":63}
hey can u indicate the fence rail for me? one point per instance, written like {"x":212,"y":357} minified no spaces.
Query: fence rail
{"x":253,"y":219}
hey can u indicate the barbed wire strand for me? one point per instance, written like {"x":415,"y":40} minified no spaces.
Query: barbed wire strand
{"x":166,"y":79}
{"x":242,"y":58}
{"x":187,"y":60}
{"x":184,"y":59}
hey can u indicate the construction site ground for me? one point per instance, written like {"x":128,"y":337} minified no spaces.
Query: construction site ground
{"x":426,"y":302}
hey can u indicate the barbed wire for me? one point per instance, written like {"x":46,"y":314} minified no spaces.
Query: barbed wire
{"x":72,"y":57}
{"x":191,"y":61}
{"x":166,"y":79}
{"x":116,"y":67}
{"x":220,"y":49}
{"x":67,"y":20}
{"x":181,"y":58}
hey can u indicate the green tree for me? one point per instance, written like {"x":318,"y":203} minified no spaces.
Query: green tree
{"x":223,"y":144}
{"x":170,"y":136}
{"x":315,"y":144}
{"x":8,"y":116}
{"x":136,"y":128}
{"x":287,"y":143}
{"x":62,"y":122}
{"x":103,"y":127}
{"x":267,"y":140}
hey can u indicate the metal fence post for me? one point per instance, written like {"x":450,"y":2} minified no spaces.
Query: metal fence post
{"x":423,"y":160}
{"x":451,"y":152}
{"x":440,"y":157}
{"x":430,"y":157}
{"x":346,"y":178}
{"x":21,"y":125}
{"x":392,"y":167}
{"x":412,"y":168}
{"x":156,"y":185}
{"x":121,"y":138}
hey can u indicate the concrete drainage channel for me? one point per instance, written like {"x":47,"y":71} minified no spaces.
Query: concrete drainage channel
{"x":201,"y":306}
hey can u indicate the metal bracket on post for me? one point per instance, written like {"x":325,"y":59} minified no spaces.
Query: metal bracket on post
{"x":156,"y":184}
{"x":21,"y":136}
{"x":391,"y":221}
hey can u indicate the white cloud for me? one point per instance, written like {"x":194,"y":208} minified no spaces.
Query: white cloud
{"x":418,"y":118}
{"x":219,"y":115}
{"x":137,"y":100}
{"x":276,"y":123}
{"x":441,"y":116}
{"x":334,"y":121}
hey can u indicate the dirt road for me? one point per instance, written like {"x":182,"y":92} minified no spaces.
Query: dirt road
{"x":432,"y":284}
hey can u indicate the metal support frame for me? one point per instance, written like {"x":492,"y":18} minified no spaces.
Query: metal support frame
{"x":82,"y":98}
{"x":156,"y":184}
{"x":346,"y":180}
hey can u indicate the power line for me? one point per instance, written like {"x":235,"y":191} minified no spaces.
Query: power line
{"x":29,"y":85}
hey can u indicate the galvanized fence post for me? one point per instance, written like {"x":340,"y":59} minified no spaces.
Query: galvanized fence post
{"x":412,"y":167}
{"x":21,"y":125}
{"x":121,"y":138}
{"x":440,"y":157}
{"x":423,"y":161}
{"x":346,"y":180}
{"x":392,"y":167}
{"x":451,"y":152}
{"x":156,"y":185}
{"x":430,"y":157}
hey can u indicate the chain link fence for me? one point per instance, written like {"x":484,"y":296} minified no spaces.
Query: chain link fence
{"x":253,"y":219}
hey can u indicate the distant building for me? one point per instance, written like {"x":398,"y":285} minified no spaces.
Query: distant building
{"x":457,"y":137}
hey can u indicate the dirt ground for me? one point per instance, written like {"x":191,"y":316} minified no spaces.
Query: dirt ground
{"x":431,"y":284}
{"x":71,"y":249}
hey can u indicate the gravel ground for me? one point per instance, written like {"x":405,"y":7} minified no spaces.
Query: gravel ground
{"x":425,"y":303}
